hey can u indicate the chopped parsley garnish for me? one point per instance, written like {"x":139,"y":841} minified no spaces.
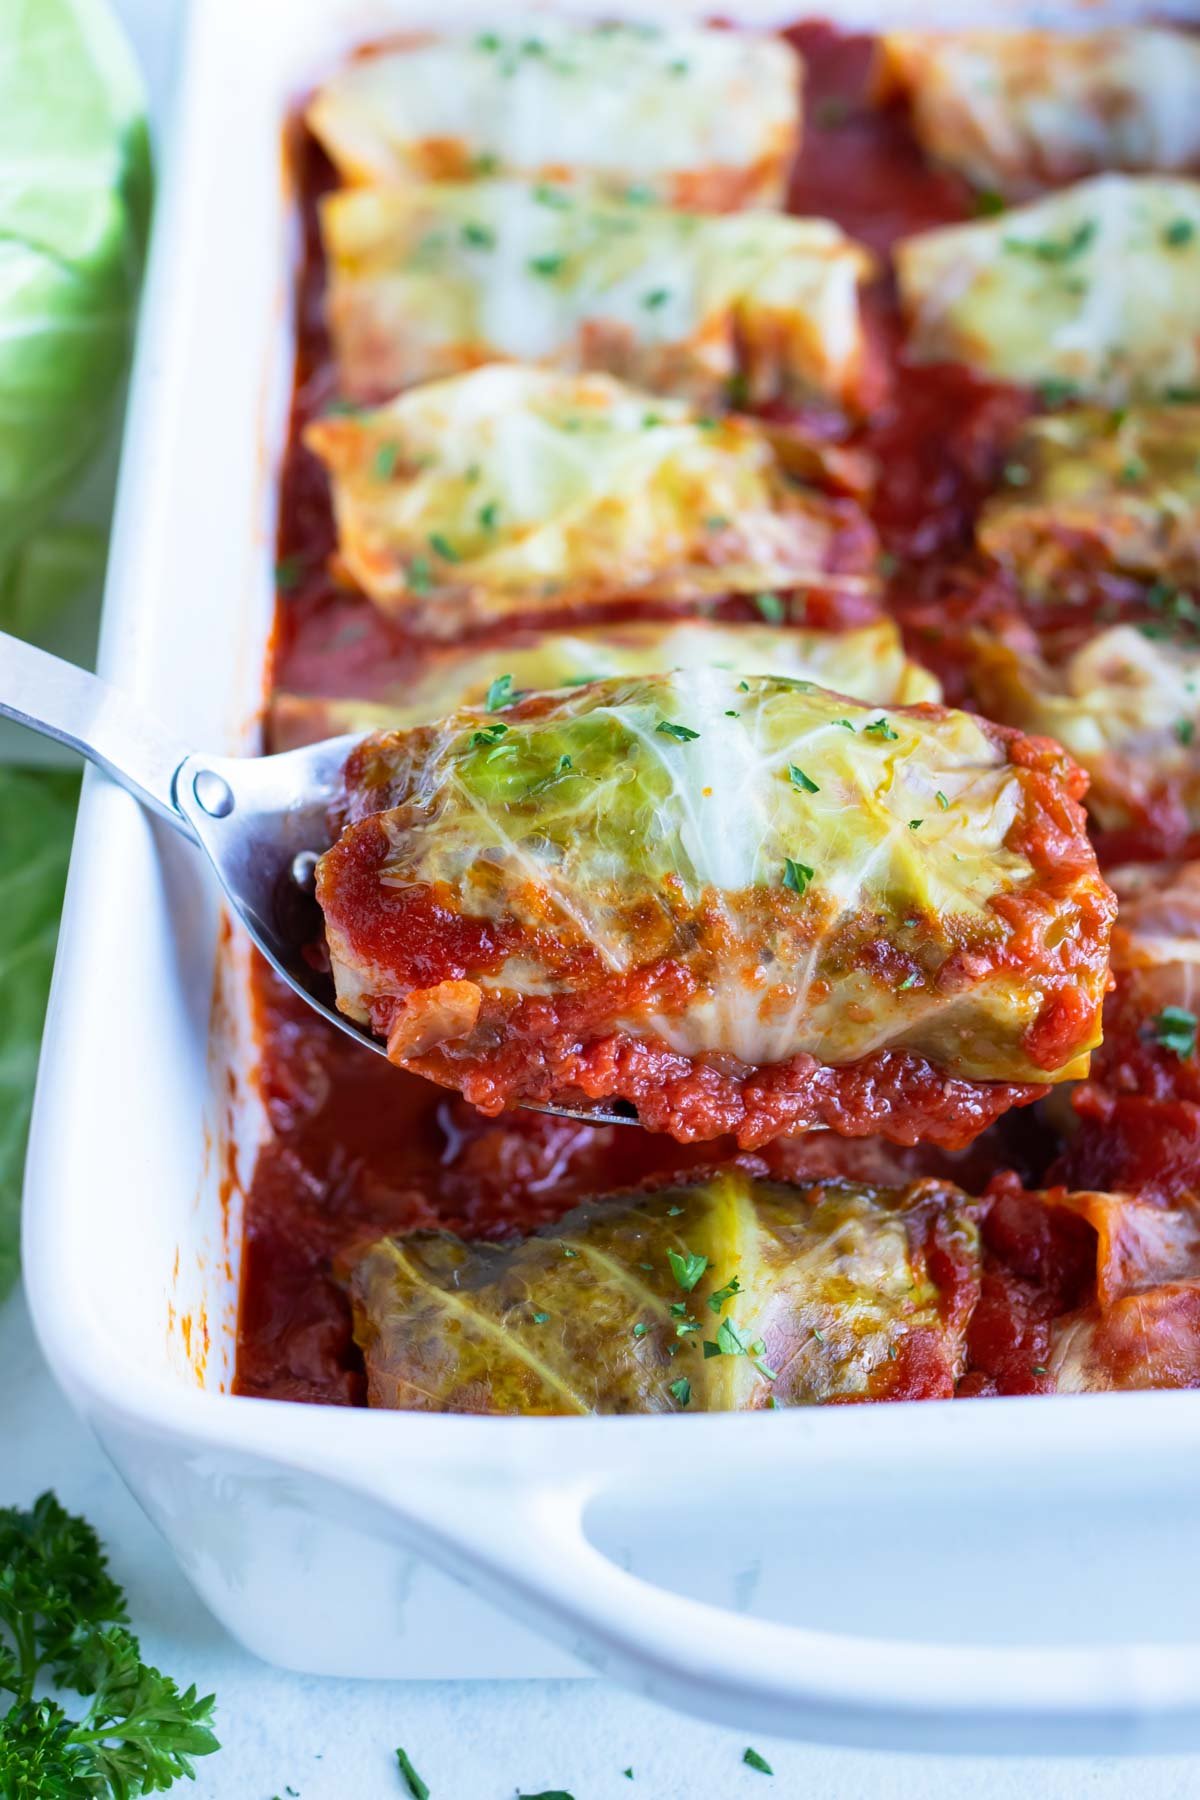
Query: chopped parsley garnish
{"x":732,"y":1341}
{"x":680,"y":1390}
{"x":1179,"y":231}
{"x":1175,"y":1029}
{"x":1185,"y":730}
{"x":771,"y":608}
{"x":486,"y":163}
{"x":416,"y":1787}
{"x":915,"y":824}
{"x":547,"y":195}
{"x":567,"y":1250}
{"x":1056,"y":392}
{"x":480,"y":237}
{"x":383,"y":463}
{"x":845,"y":724}
{"x":801,"y":781}
{"x":639,"y":194}
{"x":743,"y":687}
{"x":988,"y":203}
{"x":640,"y":1329}
{"x":686,"y":1268}
{"x":683,"y":734}
{"x":673,"y":1212}
{"x":724,"y":1295}
{"x":655,"y":298}
{"x":716,"y":522}
{"x":288,"y":572}
{"x":487,"y":734}
{"x":881,"y":729}
{"x":1056,"y":250}
{"x":796,"y":875}
{"x":910,"y":981}
{"x":1015,"y":474}
{"x":731,"y":712}
{"x":755,"y":1761}
{"x":540,"y":1318}
{"x":488,"y":515}
{"x":547,"y":265}
{"x":942,"y":800}
{"x":488,"y":41}
{"x":420,"y":575}
{"x":500,"y":693}
{"x":1133,"y":470}
{"x":443,"y":547}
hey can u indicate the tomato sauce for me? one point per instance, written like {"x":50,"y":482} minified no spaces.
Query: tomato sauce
{"x":361,"y":1148}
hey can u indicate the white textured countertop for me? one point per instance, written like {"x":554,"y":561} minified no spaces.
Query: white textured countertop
{"x":334,"y":1740}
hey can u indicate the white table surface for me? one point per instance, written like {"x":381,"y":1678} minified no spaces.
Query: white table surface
{"x":334,"y":1740}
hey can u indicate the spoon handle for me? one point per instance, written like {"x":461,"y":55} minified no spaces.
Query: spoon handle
{"x":63,"y":702}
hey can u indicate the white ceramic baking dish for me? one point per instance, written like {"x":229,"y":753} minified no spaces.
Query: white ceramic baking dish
{"x":999,"y":1575}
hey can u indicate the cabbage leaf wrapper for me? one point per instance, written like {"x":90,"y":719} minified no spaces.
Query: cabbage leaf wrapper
{"x":744,"y":905}
{"x":728,"y":1294}
{"x":868,"y":661}
{"x":511,"y":492}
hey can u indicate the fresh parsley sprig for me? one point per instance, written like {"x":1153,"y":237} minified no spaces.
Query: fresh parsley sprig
{"x":63,"y":1620}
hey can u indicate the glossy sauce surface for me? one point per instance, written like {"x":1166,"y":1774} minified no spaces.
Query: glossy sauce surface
{"x":360,"y":1148}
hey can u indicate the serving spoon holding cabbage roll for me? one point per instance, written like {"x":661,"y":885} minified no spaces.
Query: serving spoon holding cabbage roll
{"x":260,"y":821}
{"x":739,"y":905}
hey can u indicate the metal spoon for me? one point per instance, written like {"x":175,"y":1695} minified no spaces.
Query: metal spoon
{"x":259,"y":820}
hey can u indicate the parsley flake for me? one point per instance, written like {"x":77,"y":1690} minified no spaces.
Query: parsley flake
{"x":420,"y":575}
{"x":655,"y":298}
{"x":915,"y":824}
{"x":754,"y":1761}
{"x":910,"y":981}
{"x":540,"y":1318}
{"x":1185,"y":730}
{"x":488,"y":515}
{"x":942,"y":800}
{"x":683,"y":734}
{"x":1175,"y":1029}
{"x":804,"y":783}
{"x":680,"y":1390}
{"x":1179,"y":231}
{"x":416,"y":1787}
{"x":686,"y":1268}
{"x":547,"y":265}
{"x":500,"y":693}
{"x":771,"y":607}
{"x":724,"y":1295}
{"x":881,"y":729}
{"x":288,"y":573}
{"x":443,"y":547}
{"x":487,"y":734}
{"x":796,"y":875}
{"x":383,"y":463}
{"x":480,"y":237}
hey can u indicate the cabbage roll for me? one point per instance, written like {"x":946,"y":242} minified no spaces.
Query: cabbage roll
{"x":695,"y":118}
{"x":1091,"y":491}
{"x":869,"y":662}
{"x":429,"y":281}
{"x":510,"y":490}
{"x":1094,"y":289}
{"x":1142,"y":1329}
{"x":1127,"y":708}
{"x":743,"y":905}
{"x":1018,"y":110}
{"x":724,"y":1295}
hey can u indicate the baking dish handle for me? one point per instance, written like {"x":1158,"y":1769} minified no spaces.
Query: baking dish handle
{"x":528,"y":1551}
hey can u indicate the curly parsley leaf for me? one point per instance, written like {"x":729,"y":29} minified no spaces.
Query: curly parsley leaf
{"x":63,"y":1619}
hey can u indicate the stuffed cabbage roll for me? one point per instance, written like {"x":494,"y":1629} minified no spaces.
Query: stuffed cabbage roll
{"x":1142,"y":1329}
{"x":697,"y":118}
{"x":869,"y":662}
{"x":744,"y":905}
{"x":1095,"y":288}
{"x":1091,"y":491}
{"x":426,"y":281}
{"x":513,"y":490}
{"x":1127,"y":708}
{"x":1018,"y":110}
{"x":1085,"y":1291}
{"x":725,"y":1295}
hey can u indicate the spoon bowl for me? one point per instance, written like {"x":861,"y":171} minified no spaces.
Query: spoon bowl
{"x":260,"y":821}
